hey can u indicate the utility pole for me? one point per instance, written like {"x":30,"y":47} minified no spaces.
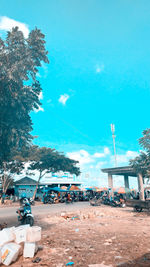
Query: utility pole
{"x":113,"y":136}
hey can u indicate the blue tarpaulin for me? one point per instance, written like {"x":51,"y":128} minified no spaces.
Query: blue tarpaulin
{"x":57,"y":189}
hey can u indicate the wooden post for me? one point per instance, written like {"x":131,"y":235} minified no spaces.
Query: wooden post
{"x":110,"y":184}
{"x":141,"y":187}
{"x":126,"y":181}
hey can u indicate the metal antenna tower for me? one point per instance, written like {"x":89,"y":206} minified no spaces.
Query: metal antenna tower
{"x":113,"y":136}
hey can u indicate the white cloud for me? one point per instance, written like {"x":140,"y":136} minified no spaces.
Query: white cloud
{"x":102,"y":155}
{"x":100,"y":164}
{"x":39,"y":109}
{"x":124,"y":158}
{"x":98,"y":155}
{"x":40,"y":96}
{"x":86,"y":158}
{"x":132,"y":154}
{"x":99,"y":68}
{"x":63,"y":99}
{"x":106,"y":151}
{"x":7,"y":24}
{"x":91,"y":167}
{"x":82,"y":156}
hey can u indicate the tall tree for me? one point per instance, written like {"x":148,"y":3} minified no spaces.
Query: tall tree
{"x":144,"y":141}
{"x":20,"y":60}
{"x":142,"y":162}
{"x":47,"y":160}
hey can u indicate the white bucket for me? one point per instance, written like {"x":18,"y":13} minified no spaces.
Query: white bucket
{"x":29,"y":249}
{"x":9,"y":253}
{"x":33,"y":234}
{"x":21,"y":233}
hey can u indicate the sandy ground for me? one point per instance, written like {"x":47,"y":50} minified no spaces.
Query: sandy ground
{"x":93,"y":235}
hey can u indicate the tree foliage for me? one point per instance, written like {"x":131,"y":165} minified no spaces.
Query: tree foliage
{"x":47,"y":160}
{"x":141,"y":164}
{"x":20,"y":59}
{"x":145,"y":140}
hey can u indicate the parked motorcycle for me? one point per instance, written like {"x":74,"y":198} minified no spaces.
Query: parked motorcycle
{"x":26,"y":213}
{"x":118,"y":203}
{"x":32,"y":202}
{"x":48,"y":200}
{"x":62,"y":199}
{"x":69,"y":200}
{"x":95,"y":201}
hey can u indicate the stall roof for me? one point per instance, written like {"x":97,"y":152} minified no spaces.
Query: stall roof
{"x":126,"y":170}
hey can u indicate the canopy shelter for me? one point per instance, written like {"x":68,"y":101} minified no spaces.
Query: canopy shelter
{"x":101,"y":189}
{"x":126,"y":172}
{"x":56,"y":189}
{"x":122,"y":190}
{"x":94,"y":188}
{"x":73,"y":188}
{"x":63,"y":187}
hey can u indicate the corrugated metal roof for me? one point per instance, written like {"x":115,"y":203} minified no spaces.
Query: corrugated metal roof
{"x":26,"y":181}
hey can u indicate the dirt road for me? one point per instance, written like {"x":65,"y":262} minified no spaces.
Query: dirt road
{"x":89,"y":235}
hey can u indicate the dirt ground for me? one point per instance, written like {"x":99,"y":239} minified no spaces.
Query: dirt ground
{"x":102,"y":235}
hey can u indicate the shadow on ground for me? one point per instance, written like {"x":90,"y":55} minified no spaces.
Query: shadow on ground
{"x":139,"y":262}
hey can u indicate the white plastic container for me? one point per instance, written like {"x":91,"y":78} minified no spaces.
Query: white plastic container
{"x":6,"y":236}
{"x":33,"y":234}
{"x":0,"y":257}
{"x":29,"y":249}
{"x":21,"y":233}
{"x":9,"y":253}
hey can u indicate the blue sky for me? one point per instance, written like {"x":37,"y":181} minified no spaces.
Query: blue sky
{"x":99,"y":73}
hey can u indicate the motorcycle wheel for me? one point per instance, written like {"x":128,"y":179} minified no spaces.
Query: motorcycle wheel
{"x":45,"y":200}
{"x":50,"y":201}
{"x":137,"y":208}
{"x":29,"y":220}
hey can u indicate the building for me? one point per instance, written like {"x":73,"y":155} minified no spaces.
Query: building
{"x":60,"y":179}
{"x":126,"y":172}
{"x":27,"y":185}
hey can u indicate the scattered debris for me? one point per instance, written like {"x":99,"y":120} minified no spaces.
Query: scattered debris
{"x":36,"y":260}
{"x":70,"y":263}
{"x":75,"y":218}
{"x":2,"y":226}
{"x":118,"y":257}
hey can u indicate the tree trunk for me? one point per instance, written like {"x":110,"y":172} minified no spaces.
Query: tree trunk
{"x":37,"y":184}
{"x":3,"y":183}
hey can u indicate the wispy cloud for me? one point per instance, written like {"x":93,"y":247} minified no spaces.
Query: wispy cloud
{"x":99,"y":68}
{"x":50,"y":102}
{"x":63,"y":99}
{"x":7,"y":24}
